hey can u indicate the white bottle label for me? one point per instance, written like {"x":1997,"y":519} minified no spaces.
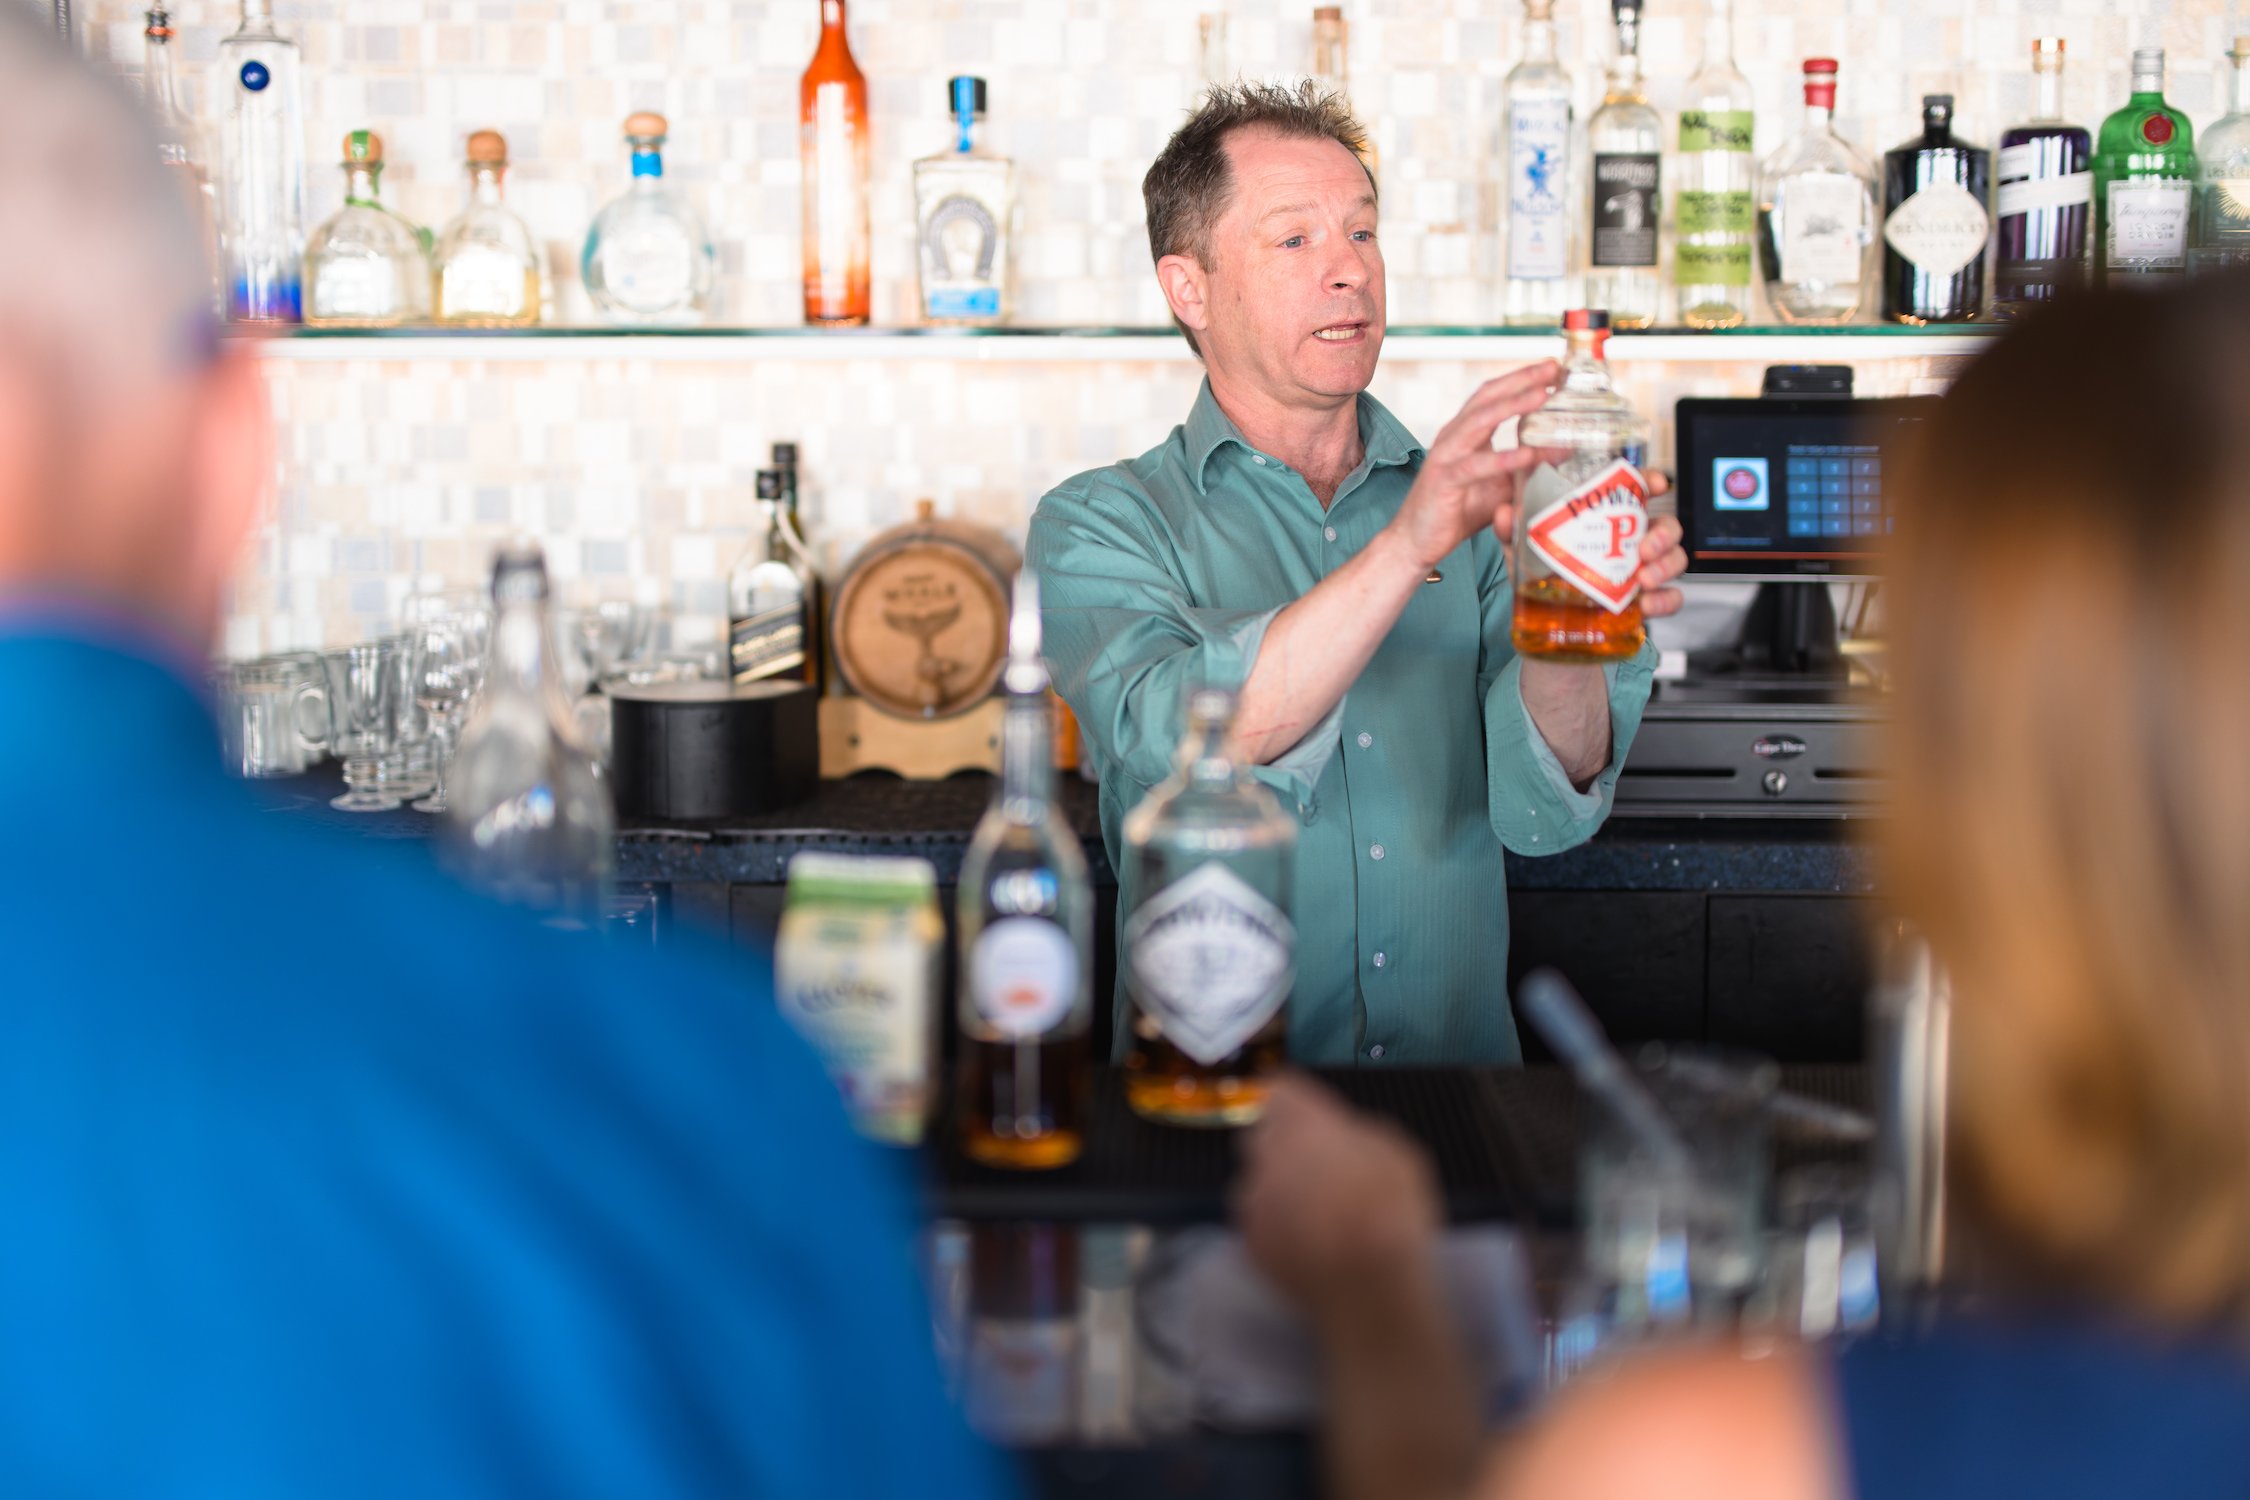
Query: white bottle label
{"x":1822,"y":221}
{"x":2148,"y":224}
{"x":1538,"y":183}
{"x":1592,"y":535}
{"x":1023,"y":976}
{"x":1211,"y":961}
{"x":2027,"y":194}
{"x":1940,"y":229}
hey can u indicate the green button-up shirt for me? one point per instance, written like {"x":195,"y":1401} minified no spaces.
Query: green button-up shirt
{"x":1162,"y":573}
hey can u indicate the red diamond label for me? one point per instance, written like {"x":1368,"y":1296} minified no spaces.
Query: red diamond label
{"x":1592,"y":536}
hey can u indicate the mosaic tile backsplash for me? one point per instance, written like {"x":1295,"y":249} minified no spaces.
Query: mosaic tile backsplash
{"x":638,"y":472}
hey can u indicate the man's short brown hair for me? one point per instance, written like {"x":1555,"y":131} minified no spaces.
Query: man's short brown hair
{"x":1187,"y":186}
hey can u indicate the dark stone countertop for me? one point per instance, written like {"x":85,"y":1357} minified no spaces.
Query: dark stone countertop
{"x":874,"y":813}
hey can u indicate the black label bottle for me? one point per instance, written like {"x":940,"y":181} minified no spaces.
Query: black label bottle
{"x":1935,"y":223}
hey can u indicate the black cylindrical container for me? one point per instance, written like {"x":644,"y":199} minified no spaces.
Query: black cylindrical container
{"x":690,"y":751}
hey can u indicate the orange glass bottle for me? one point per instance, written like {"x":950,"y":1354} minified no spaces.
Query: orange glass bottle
{"x":832,"y":112}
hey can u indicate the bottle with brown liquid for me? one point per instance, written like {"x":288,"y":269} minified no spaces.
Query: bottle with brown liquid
{"x":1577,"y":554}
{"x":1209,"y":952}
{"x":1027,"y":939}
{"x":832,"y":115}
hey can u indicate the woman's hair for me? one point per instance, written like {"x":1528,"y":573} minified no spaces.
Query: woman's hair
{"x":2071,"y":628}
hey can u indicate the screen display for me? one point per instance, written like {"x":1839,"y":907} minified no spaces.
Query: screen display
{"x":1789,"y":487}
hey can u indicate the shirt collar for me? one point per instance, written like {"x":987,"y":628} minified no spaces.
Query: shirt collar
{"x":1383,"y":439}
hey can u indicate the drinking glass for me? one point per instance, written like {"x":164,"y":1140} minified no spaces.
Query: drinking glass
{"x":407,"y":769}
{"x":445,"y":674}
{"x":267,"y":713}
{"x":1822,"y":1283}
{"x":363,"y":684}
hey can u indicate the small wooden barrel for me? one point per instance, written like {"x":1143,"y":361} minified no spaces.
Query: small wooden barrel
{"x":920,"y":623}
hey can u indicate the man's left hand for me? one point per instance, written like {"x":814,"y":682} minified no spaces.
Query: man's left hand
{"x":1662,"y":557}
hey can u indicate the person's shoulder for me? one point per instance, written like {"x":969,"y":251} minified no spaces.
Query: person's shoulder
{"x":1137,"y":486}
{"x":1706,"y":1423}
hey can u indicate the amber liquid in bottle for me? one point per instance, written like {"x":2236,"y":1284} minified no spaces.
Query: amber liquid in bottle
{"x":1554,"y":622}
{"x":832,"y":114}
{"x":1024,"y":1102}
{"x":1163,"y":1083}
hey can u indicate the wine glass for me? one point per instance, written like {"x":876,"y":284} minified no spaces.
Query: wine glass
{"x":363,"y":685}
{"x":447,"y":672}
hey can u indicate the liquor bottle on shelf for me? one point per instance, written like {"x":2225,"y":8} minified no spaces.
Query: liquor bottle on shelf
{"x":1713,"y":200}
{"x":798,"y":539}
{"x":2222,"y":209}
{"x":964,"y":215}
{"x":1934,"y":223}
{"x":1626,"y":140}
{"x":1027,"y":938}
{"x":179,"y":142}
{"x":648,"y":258}
{"x":1816,"y":215}
{"x":487,"y":262}
{"x":1535,"y":152}
{"x":1209,"y":952}
{"x":1577,"y":554}
{"x":1211,"y":49}
{"x":2144,"y":182}
{"x":833,"y":144}
{"x":1332,"y":68}
{"x":366,"y":267}
{"x":769,"y":598}
{"x":528,"y":818}
{"x":2045,"y":198}
{"x":259,"y":92}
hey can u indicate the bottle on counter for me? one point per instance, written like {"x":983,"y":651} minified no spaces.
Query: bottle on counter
{"x":259,"y":94}
{"x":1816,"y":215}
{"x":1027,"y":939}
{"x":2044,"y":200}
{"x":366,"y":267}
{"x":1535,"y":154}
{"x":832,"y":115}
{"x":770,"y":598}
{"x":964,"y":215}
{"x":1713,"y":201}
{"x":1208,"y":951}
{"x":648,"y":258}
{"x":2144,"y":183}
{"x":1576,"y":556}
{"x":856,"y":972}
{"x":1626,"y":141}
{"x":2222,"y":208}
{"x":1935,"y":223}
{"x":487,"y":261}
{"x":1332,"y":67}
{"x":528,"y":819}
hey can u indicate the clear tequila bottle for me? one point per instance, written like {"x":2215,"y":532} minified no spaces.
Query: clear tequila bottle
{"x":1816,"y":215}
{"x":648,"y":258}
{"x":1208,"y":951}
{"x":366,"y":267}
{"x":487,"y":262}
{"x":180,"y":142}
{"x":2222,"y":209}
{"x":1713,"y":198}
{"x":964,"y":205}
{"x":1535,"y":156}
{"x":1026,"y":938}
{"x":259,"y":94}
{"x":1625,"y":187}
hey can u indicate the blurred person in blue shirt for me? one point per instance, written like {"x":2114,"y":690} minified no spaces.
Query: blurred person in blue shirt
{"x":321,"y":1177}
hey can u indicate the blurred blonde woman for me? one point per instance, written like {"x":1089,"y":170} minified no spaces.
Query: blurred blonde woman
{"x":2071,"y":829}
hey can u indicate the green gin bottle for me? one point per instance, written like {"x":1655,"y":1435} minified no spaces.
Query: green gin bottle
{"x":2144,"y":181}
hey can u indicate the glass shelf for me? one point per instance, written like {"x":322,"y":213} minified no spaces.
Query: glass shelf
{"x":1078,"y":331}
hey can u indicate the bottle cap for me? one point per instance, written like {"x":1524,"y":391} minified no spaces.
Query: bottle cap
{"x":1820,"y":65}
{"x":1327,"y":13}
{"x":646,"y":123}
{"x":785,"y":455}
{"x":2046,"y":46}
{"x":769,"y":484}
{"x":953,"y":87}
{"x":159,"y":24}
{"x":363,"y":148}
{"x":488,"y":148}
{"x":1585,"y":319}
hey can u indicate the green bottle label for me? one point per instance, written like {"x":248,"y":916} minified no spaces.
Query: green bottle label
{"x":1711,"y":265}
{"x":1715,"y":129}
{"x":1714,"y":213}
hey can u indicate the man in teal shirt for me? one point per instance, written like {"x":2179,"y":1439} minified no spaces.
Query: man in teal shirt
{"x":1293,"y":541}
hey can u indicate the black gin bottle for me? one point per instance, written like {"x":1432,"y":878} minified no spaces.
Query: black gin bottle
{"x":1935,"y":223}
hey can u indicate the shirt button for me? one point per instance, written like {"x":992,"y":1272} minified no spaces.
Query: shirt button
{"x":1258,"y":458}
{"x":1381,"y":958}
{"x":1365,"y":739}
{"x":1376,"y":1050}
{"x":1330,"y":533}
{"x":1375,"y":851}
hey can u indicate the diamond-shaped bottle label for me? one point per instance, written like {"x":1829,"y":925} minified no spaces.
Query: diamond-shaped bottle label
{"x":1941,"y":229}
{"x":1592,"y":535}
{"x":1211,"y":960}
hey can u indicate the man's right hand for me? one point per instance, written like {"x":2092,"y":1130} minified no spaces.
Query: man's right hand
{"x":1465,"y":482}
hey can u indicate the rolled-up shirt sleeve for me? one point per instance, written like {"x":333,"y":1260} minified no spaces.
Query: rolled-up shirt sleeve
{"x":1127,"y":645}
{"x":1534,"y":808}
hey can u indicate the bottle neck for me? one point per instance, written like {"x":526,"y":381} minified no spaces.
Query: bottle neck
{"x":1027,"y":758}
{"x":1820,"y":110}
{"x":1937,"y":130}
{"x":519,"y":650}
{"x":1207,"y":754}
{"x":1329,"y":63}
{"x":484,"y":184}
{"x":1584,"y":367}
{"x":2238,"y":97}
{"x":647,"y":162}
{"x":1625,"y":71}
{"x":257,"y":14}
{"x":834,"y":43}
{"x":1539,"y":40}
{"x":2148,"y":83}
{"x":362,"y":181}
{"x":964,"y":132}
{"x":2049,"y":81}
{"x":1718,"y":37}
{"x":157,"y":78}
